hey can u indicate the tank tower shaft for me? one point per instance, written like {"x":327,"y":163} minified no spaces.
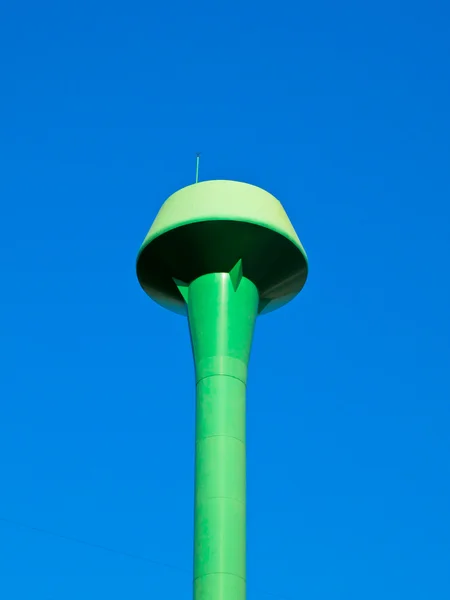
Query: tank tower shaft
{"x":221,"y":252}
{"x":222,"y":310}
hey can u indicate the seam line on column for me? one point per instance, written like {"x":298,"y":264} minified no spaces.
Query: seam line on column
{"x":233,"y":437}
{"x":221,"y":573}
{"x":222,"y":375}
{"x":223,"y":498}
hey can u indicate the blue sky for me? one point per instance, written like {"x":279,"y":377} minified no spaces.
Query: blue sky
{"x":342,"y":111}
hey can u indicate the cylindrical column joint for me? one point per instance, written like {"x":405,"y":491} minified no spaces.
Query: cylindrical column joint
{"x":222,"y":309}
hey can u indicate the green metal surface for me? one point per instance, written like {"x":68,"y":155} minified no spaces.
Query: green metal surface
{"x":222,"y":199}
{"x":221,"y":252}
{"x":207,"y":228}
{"x":222,"y":310}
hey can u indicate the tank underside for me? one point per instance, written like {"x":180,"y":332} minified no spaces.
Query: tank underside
{"x":179,"y":256}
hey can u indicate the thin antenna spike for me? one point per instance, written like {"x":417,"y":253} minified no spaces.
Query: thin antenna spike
{"x":197,"y":167}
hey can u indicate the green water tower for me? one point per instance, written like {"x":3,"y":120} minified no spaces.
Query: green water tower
{"x":221,"y":252}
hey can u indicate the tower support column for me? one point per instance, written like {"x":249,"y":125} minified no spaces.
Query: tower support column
{"x":222,"y":309}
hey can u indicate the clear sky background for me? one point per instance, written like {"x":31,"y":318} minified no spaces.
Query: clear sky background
{"x":341,"y":110}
